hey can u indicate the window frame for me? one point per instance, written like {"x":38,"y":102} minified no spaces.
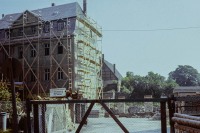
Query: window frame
{"x":60,"y":48}
{"x":20,"y":52}
{"x":46,"y":49}
{"x":59,"y":74}
{"x":60,"y":25}
{"x":46,"y":74}
{"x":46,"y":28}
{"x":33,"y":51}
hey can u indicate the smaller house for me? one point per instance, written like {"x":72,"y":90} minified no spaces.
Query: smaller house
{"x":186,"y":91}
{"x":111,"y":80}
{"x":187,"y":107}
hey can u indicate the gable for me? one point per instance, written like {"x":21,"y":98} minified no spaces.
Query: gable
{"x":26,"y":17}
{"x":110,"y":67}
{"x":46,"y":14}
{"x":107,"y":73}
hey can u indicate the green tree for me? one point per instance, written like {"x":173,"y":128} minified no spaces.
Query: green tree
{"x":155,"y":84}
{"x":5,"y":95}
{"x":152,"y":84}
{"x":169,"y":86}
{"x":185,"y":75}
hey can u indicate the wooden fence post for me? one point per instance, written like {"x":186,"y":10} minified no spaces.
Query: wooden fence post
{"x":163,"y":117}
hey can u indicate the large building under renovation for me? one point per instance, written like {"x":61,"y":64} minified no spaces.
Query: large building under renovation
{"x":57,"y":46}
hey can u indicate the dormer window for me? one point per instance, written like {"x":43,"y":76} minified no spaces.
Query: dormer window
{"x":60,"y":25}
{"x":7,"y":35}
{"x":33,"y":29}
{"x":46,"y":27}
{"x":20,"y":32}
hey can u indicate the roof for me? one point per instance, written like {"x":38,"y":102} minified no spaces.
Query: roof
{"x":111,"y":67}
{"x":186,"y":89}
{"x":47,"y":14}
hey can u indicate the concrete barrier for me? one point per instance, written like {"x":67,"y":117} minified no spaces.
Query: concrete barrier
{"x":3,"y":121}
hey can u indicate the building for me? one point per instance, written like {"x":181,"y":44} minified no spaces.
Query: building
{"x":58,"y":47}
{"x":186,"y":91}
{"x":188,"y":107}
{"x":111,"y":80}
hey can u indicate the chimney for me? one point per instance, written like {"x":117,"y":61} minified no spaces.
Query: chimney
{"x":114,"y":68}
{"x":52,"y":4}
{"x":2,"y":15}
{"x":84,"y":6}
{"x":102,"y":58}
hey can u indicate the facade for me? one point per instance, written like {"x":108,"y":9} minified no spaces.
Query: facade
{"x":58,"y":47}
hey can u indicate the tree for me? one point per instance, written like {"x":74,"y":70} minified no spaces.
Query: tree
{"x":5,"y":95}
{"x":152,"y":84}
{"x":185,"y":75}
{"x":169,"y":86}
{"x":127,"y":83}
{"x":155,"y":84}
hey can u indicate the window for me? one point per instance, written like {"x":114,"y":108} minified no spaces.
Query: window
{"x":1,"y":35}
{"x":60,"y":73}
{"x":60,"y":26}
{"x":33,"y":79}
{"x":46,"y":74}
{"x":55,"y":25}
{"x":7,"y":35}
{"x":46,"y":28}
{"x":33,"y":29}
{"x":33,"y":51}
{"x":60,"y":48}
{"x":46,"y":49}
{"x":20,"y":52}
{"x":20,"y":32}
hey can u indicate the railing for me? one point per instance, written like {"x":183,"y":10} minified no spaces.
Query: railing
{"x":40,"y":124}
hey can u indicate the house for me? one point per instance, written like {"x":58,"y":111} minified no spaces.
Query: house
{"x":111,"y":87}
{"x":186,"y":90}
{"x":58,"y":47}
{"x":111,"y":80}
{"x":187,"y":107}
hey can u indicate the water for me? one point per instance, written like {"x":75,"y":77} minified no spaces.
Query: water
{"x":133,"y":125}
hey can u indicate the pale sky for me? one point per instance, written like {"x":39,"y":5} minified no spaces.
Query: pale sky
{"x":139,"y":35}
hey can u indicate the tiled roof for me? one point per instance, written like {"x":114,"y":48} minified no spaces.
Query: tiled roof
{"x":186,"y":89}
{"x":47,"y":14}
{"x":111,"y":67}
{"x":6,"y":21}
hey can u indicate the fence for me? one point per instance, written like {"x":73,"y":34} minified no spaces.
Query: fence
{"x":96,"y":116}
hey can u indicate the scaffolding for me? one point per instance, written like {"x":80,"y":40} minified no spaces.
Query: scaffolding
{"x":79,"y":64}
{"x":88,"y":56}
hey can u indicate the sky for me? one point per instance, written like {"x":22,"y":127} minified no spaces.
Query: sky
{"x":138,"y":35}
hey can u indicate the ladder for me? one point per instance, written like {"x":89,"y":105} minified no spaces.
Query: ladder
{"x":69,"y":64}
